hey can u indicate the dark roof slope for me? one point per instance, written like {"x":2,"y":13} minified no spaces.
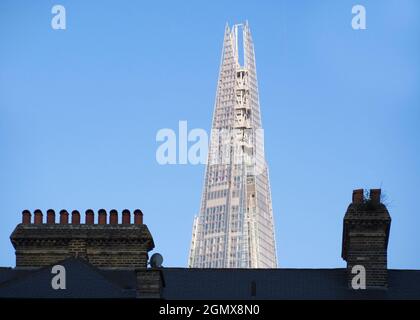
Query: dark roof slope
{"x":82,"y":281}
{"x":87,"y":281}
{"x":281,"y":284}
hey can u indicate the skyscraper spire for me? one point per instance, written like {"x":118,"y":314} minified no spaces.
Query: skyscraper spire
{"x":235,"y":227}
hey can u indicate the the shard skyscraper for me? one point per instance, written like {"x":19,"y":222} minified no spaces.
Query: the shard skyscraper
{"x":235,"y":228}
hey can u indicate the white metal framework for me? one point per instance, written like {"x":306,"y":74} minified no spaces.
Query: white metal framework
{"x":235,"y":227}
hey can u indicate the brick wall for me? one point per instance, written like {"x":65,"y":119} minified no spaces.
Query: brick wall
{"x":149,"y":284}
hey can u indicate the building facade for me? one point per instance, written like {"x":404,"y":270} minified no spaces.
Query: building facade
{"x":235,"y":227}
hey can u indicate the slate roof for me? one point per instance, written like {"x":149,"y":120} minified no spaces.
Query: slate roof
{"x":82,"y":281}
{"x":87,"y":281}
{"x":280,"y":284}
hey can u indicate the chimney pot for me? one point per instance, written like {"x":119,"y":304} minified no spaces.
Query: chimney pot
{"x":101,"y":216}
{"x":126,"y":216}
{"x":38,"y":216}
{"x":138,"y":216}
{"x":358,"y":196}
{"x":113,"y":217}
{"x":75,"y":217}
{"x":89,"y":216}
{"x":50,"y":216}
{"x":26,"y":217}
{"x":64,"y":217}
{"x":375,"y":196}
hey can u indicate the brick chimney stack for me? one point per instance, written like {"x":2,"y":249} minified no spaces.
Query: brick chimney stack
{"x":366,"y":230}
{"x":104,"y":245}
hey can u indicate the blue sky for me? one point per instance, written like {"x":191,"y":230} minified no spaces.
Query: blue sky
{"x":80,"y":109}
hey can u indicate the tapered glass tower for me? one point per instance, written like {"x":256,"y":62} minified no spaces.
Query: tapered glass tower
{"x":235,"y":228}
